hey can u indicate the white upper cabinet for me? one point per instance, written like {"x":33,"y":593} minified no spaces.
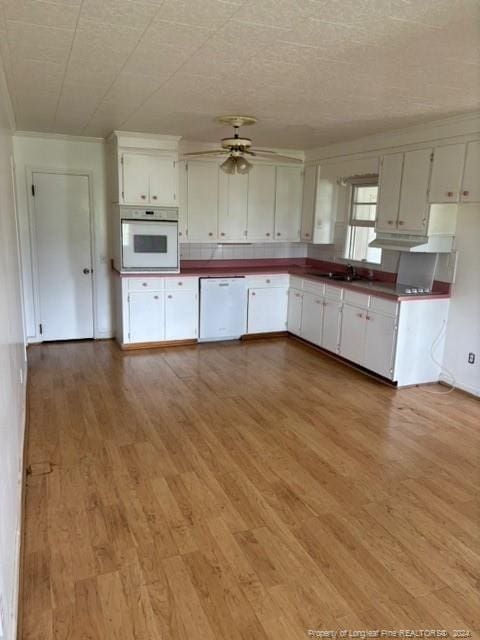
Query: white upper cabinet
{"x":149,"y":179}
{"x":163,"y":181}
{"x":471,"y":177}
{"x":288,"y":203}
{"x":412,"y":215}
{"x":325,"y":210}
{"x":403,"y":194}
{"x":202,"y":201}
{"x":308,"y":203}
{"x":182,"y":202}
{"x":261,"y":203}
{"x":233,"y":207}
{"x":390,"y":182}
{"x":447,"y":173}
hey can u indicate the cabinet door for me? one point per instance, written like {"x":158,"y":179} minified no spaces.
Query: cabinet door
{"x":182,"y":202}
{"x":325,"y":211}
{"x":390,"y":182}
{"x":181,"y":315}
{"x":288,"y":204}
{"x":202,"y":197}
{"x":447,"y":172}
{"x":267,"y":309}
{"x":163,"y":181}
{"x":471,"y":181}
{"x":380,"y":337}
{"x":412,"y":216}
{"x":308,"y":203}
{"x":331,"y":325}
{"x":136,"y":171}
{"x":261,"y":203}
{"x":232,"y":211}
{"x":352,"y":339}
{"x":312,"y":318}
{"x":294,"y":316}
{"x":146,"y":316}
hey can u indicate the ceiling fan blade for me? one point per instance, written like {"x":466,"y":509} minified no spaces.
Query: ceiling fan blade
{"x":215,"y":152}
{"x":263,"y":153}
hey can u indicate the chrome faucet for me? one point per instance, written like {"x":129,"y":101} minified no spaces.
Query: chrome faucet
{"x":351,"y":272}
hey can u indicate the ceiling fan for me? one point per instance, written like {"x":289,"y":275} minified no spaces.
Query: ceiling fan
{"x":237,"y":148}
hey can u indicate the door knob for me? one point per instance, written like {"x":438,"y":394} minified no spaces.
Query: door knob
{"x":86,"y":270}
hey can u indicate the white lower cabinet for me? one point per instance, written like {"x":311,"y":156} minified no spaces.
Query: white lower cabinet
{"x":146,"y":318}
{"x":181,"y":315}
{"x":331,"y":324}
{"x":294,"y":315}
{"x":352,"y":340}
{"x":380,"y":337}
{"x":267,"y":309}
{"x":312,"y":318}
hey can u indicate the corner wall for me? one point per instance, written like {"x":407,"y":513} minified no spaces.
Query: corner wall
{"x":12,"y":378}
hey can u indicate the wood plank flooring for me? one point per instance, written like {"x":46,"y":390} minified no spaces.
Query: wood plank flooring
{"x":252,"y":491}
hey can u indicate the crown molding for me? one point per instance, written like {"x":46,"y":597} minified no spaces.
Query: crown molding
{"x":58,"y":136}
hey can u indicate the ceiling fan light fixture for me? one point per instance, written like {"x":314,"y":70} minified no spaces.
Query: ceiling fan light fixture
{"x":228,"y":166}
{"x":243,"y":165}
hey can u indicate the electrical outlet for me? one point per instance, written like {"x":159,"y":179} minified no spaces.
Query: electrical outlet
{"x":471,"y":358}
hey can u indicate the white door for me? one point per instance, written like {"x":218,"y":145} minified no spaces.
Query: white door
{"x":288,"y":204}
{"x":331,"y":325}
{"x":61,"y":212}
{"x":379,"y":344}
{"x":471,"y":182}
{"x":447,"y":173}
{"x":163,"y":185}
{"x":202,"y":196}
{"x":352,"y":339}
{"x":312,"y":318}
{"x":267,"y":309}
{"x":412,"y":215}
{"x":261,"y":203}
{"x":146,"y":316}
{"x":181,"y":315}
{"x":232,"y":207}
{"x":390,"y":182}
{"x":294,"y":316}
{"x":308,"y":203}
{"x":136,"y":171}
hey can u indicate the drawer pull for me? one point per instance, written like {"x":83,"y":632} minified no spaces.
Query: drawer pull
{"x":180,"y":284}
{"x":400,"y":222}
{"x":267,"y":234}
{"x":155,"y":297}
{"x":268,"y":281}
{"x":466,"y":193}
{"x":359,"y":315}
{"x":154,"y":197}
{"x":143,"y":197}
{"x":169,"y":295}
{"x":253,"y":293}
{"x":449,"y":194}
{"x":144,"y":284}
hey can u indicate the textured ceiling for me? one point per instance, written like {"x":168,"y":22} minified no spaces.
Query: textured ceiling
{"x":312,"y":71}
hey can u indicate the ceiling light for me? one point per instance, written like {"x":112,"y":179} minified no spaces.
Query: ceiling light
{"x":243,"y":165}
{"x":229,"y":165}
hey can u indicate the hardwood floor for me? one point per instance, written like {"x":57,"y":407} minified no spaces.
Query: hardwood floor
{"x":249,"y":491}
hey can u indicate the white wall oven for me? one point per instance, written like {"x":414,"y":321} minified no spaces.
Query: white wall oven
{"x":149,"y":239}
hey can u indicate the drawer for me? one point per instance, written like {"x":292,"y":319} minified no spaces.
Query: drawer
{"x":334,"y":293}
{"x":145,"y":284}
{"x":383,"y":305}
{"x":295,"y":282}
{"x":356,"y":298}
{"x":280,"y":280}
{"x":181,"y":284}
{"x":314,"y":286}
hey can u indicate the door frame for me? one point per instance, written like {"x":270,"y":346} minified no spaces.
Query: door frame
{"x":32,"y":227}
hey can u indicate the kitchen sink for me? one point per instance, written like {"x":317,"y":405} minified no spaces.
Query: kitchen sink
{"x":335,"y":275}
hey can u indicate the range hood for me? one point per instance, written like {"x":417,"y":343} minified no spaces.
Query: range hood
{"x":440,"y":236}
{"x":420,"y":244}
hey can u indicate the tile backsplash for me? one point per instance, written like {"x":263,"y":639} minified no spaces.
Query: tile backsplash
{"x":242,"y":251}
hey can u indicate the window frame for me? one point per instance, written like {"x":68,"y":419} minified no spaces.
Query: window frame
{"x":371,"y":181}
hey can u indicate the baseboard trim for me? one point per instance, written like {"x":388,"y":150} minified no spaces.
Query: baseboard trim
{"x":156,"y":345}
{"x":469,"y":391}
{"x":261,"y":336}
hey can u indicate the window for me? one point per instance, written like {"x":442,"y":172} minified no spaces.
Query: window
{"x":361,"y":226}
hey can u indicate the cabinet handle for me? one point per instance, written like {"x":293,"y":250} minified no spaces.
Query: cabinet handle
{"x":253,"y":293}
{"x":180,"y":284}
{"x":222,"y":234}
{"x":297,"y":295}
{"x":268,"y":281}
{"x":318,"y":301}
{"x":267,"y":234}
{"x":144,"y":284}
{"x":466,"y":193}
{"x":143,"y":197}
{"x":180,"y":233}
{"x":307,"y":235}
{"x":368,"y":317}
{"x":449,"y":194}
{"x":169,"y":295}
{"x":359,"y":315}
{"x":400,"y":222}
{"x":154,"y":198}
{"x":278,"y":233}
{"x":155,"y":297}
{"x":210,"y":233}
{"x":324,"y":303}
{"x":389,"y":221}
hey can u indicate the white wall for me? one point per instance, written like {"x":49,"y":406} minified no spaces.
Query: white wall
{"x":12,"y":369}
{"x":463,"y":327}
{"x":35,"y":152}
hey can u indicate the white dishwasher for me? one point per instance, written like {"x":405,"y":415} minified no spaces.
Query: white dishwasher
{"x":223,"y":308}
